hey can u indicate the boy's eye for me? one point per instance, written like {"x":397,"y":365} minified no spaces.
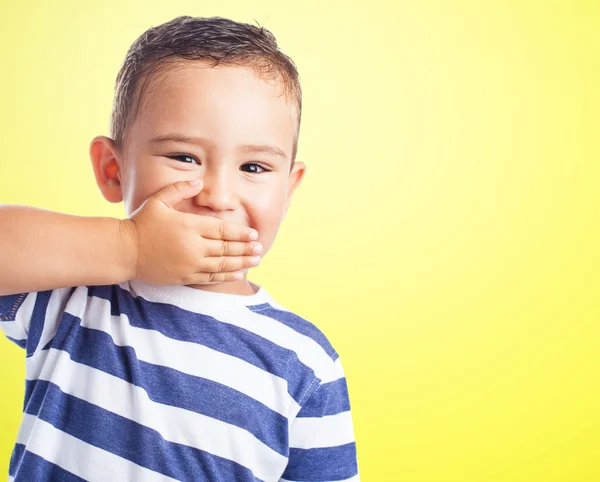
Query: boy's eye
{"x":255,"y":165}
{"x":185,"y":156}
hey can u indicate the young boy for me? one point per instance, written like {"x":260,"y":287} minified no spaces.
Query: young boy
{"x":147,"y":358}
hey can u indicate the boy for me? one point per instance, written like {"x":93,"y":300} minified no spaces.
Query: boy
{"x":147,"y":357}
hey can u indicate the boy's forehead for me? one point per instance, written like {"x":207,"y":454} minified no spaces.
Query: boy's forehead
{"x":229,"y":104}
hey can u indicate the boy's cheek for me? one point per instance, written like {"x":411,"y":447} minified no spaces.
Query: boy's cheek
{"x":268,"y":228}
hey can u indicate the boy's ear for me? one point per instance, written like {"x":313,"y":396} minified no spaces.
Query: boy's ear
{"x":103,"y":154}
{"x":296,"y":177}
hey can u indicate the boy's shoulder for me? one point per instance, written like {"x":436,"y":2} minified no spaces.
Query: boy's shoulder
{"x":299,"y":324}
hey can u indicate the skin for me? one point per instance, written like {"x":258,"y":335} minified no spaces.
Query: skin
{"x":230,"y":105}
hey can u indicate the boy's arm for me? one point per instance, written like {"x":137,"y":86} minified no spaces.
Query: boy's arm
{"x":44,"y":253}
{"x":321,"y":440}
{"x":43,"y":250}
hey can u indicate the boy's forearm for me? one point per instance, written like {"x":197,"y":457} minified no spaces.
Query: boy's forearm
{"x":41,"y":250}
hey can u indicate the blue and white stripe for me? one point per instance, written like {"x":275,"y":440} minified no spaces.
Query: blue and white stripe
{"x":136,"y":382}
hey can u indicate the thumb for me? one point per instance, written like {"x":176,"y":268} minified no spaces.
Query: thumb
{"x":175,"y":193}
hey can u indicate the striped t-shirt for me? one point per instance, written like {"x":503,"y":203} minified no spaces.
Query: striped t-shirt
{"x":136,"y":382}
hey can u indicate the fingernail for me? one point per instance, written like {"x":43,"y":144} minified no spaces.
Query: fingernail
{"x":253,"y":235}
{"x":255,"y":260}
{"x":257,"y":248}
{"x":238,"y":275}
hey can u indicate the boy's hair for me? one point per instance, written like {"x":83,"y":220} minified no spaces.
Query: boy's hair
{"x":216,"y":39}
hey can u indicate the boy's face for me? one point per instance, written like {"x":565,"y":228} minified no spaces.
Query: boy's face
{"x":229,"y":107}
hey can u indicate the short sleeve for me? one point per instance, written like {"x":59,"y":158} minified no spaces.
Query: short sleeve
{"x":322,"y":444}
{"x":30,"y":319}
{"x":15,"y":314}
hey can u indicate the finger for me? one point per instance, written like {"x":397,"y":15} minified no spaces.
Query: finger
{"x":213,"y":228}
{"x":217,"y":264}
{"x":217,"y":247}
{"x":175,"y":193}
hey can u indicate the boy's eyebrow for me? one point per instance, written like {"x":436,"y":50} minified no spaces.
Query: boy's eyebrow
{"x":204,"y":142}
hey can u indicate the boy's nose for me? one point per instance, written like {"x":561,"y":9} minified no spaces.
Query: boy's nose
{"x":217,"y":193}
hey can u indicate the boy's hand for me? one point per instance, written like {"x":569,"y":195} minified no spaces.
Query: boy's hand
{"x":171,"y":247}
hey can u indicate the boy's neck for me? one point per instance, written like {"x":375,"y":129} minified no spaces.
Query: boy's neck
{"x":241,"y":287}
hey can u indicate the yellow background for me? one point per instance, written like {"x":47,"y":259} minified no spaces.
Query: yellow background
{"x":445,"y":238}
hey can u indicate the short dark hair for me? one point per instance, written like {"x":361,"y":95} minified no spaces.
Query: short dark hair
{"x":216,"y":39}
